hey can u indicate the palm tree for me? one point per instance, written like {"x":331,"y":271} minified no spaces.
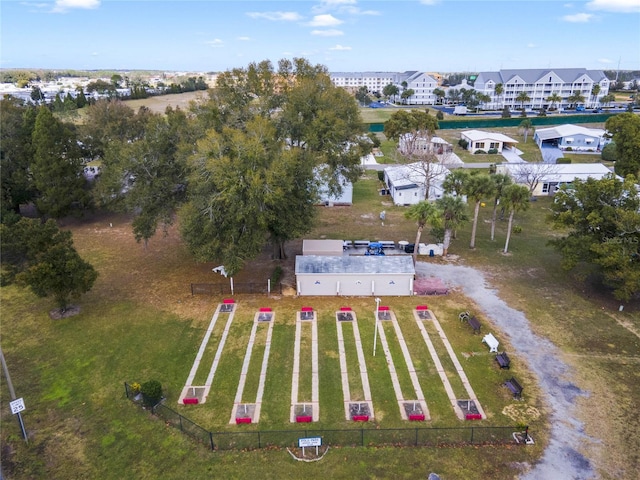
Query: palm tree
{"x":422,"y":212}
{"x":455,"y":181}
{"x":525,"y":125}
{"x":595,"y":91}
{"x":516,"y":198}
{"x":500,"y":181}
{"x":440,"y":94}
{"x":554,"y":98}
{"x":522,"y":98}
{"x":575,"y":99}
{"x":477,"y":188}
{"x":452,"y":213}
{"x":499,"y":91}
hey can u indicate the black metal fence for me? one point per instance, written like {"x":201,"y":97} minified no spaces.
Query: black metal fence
{"x":225,"y":288}
{"x":356,"y":437}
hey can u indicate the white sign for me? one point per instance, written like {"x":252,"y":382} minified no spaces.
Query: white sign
{"x":310,"y":442}
{"x":17,"y":405}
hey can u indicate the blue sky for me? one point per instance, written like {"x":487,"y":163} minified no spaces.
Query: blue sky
{"x":344,"y":35}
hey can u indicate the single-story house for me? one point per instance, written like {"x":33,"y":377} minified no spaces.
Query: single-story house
{"x":552,"y":176}
{"x":322,"y":247}
{"x":354,"y":275}
{"x":571,"y":138}
{"x":479,"y":140}
{"x":325,"y":197}
{"x":407,"y":183}
{"x":416,"y":144}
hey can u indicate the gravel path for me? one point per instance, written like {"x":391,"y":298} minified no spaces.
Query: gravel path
{"x":562,"y":458}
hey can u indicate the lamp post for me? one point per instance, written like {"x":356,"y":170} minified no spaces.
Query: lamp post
{"x":375,"y":334}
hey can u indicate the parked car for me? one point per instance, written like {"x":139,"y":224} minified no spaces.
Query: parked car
{"x":580,"y":108}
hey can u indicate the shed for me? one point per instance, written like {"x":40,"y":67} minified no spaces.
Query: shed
{"x":322,"y":247}
{"x":354,"y":275}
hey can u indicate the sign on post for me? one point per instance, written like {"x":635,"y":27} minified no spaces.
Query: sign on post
{"x":309,"y":442}
{"x":17,"y":405}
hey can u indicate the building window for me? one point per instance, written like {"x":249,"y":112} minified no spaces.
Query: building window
{"x":479,"y":144}
{"x":495,"y":145}
{"x":545,"y":188}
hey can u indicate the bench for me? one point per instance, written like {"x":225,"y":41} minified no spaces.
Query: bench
{"x":361,"y":243}
{"x":190,"y":401}
{"x":347,"y":244}
{"x":474,"y":323}
{"x":503,"y":360}
{"x":492,"y":342}
{"x":513,"y":385}
{"x":387,"y":244}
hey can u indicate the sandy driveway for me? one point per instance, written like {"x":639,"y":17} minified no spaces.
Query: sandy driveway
{"x":561,"y":459}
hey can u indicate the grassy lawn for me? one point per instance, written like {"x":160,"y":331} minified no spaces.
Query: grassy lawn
{"x":140,"y":322}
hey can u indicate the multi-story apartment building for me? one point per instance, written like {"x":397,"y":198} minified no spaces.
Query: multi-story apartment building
{"x":421,"y":83}
{"x":542,"y":84}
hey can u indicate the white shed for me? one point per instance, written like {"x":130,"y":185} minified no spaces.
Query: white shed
{"x":354,"y":275}
{"x":322,"y":247}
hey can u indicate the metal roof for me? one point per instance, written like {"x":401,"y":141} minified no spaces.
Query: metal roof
{"x":354,"y":264}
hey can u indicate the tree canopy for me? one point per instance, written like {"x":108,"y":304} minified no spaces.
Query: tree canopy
{"x":603,"y":219}
{"x":625,"y":130}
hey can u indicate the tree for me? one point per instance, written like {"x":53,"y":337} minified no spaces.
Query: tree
{"x":553,"y":98}
{"x":455,"y":182}
{"x":390,"y":90}
{"x":506,"y":112}
{"x":525,"y":126}
{"x":500,"y":181}
{"x":422,"y":212}
{"x":477,"y":188}
{"x":440,"y":94}
{"x":609,"y":153}
{"x":522,"y":97}
{"x":57,"y":167}
{"x":625,"y":131}
{"x":483,"y":99}
{"x":575,"y":98}
{"x":44,"y":258}
{"x":499,"y":90}
{"x":532,"y":173}
{"x":607,"y":99}
{"x":595,"y":91}
{"x":515,"y":198}
{"x":603,"y":222}
{"x":452,"y":212}
{"x":454,"y":95}
{"x":406,"y":94}
{"x":362,"y":95}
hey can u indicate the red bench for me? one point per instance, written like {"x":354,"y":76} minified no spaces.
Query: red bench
{"x":416,"y":417}
{"x":228,"y":300}
{"x":383,"y":309}
{"x":265,"y":309}
{"x":422,"y":307}
{"x":345,"y":309}
{"x":306,"y":309}
{"x":304,"y":419}
{"x":473,"y":416}
{"x":240,"y":420}
{"x":360,"y":418}
{"x":190,"y":401}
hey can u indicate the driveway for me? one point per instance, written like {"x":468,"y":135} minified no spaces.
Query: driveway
{"x":551,"y":154}
{"x":562,"y":457}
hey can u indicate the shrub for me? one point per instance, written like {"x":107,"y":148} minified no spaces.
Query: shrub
{"x":440,"y":115}
{"x":569,"y":149}
{"x":563,"y":160}
{"x":609,"y":152}
{"x":506,"y":113}
{"x":276,"y":275}
{"x":135,"y":388}
{"x":479,"y":152}
{"x":517,"y":229}
{"x":463,"y":143}
{"x":493,"y":151}
{"x":151,"y":392}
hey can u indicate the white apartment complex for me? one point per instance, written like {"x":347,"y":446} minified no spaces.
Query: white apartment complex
{"x":540,"y":84}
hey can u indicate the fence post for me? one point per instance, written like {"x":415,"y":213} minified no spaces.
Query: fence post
{"x":126,"y":389}
{"x":416,"y":443}
{"x":472,"y":434}
{"x":211,"y":440}
{"x":259,"y":441}
{"x":192,"y":289}
{"x":362,"y":437}
{"x":180,"y":417}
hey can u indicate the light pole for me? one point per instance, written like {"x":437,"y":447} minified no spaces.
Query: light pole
{"x":375,"y":334}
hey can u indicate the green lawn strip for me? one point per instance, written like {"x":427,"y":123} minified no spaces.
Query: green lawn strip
{"x":402,"y":371}
{"x":305,"y":368}
{"x":210,"y":350}
{"x":331,"y":397}
{"x":445,"y":359}
{"x":353,"y":367}
{"x":255,"y":363}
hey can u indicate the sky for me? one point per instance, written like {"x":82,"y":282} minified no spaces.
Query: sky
{"x":344,"y":35}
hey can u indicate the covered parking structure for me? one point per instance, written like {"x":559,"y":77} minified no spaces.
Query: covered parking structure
{"x":351,"y":275}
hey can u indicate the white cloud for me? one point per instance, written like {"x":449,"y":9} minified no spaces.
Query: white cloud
{"x":429,"y":2}
{"x":578,"y":18}
{"x":94,"y":54}
{"x":325,"y":20}
{"x":620,"y":6}
{"x":281,"y":16}
{"x":327,"y":33}
{"x":65,"y":5}
{"x":340,"y":47}
{"x":341,"y":6}
{"x":244,"y":39}
{"x":531,"y":45}
{"x":605,"y":60}
{"x":216,"y":42}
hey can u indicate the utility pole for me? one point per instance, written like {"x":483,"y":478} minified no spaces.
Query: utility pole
{"x":19,"y":404}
